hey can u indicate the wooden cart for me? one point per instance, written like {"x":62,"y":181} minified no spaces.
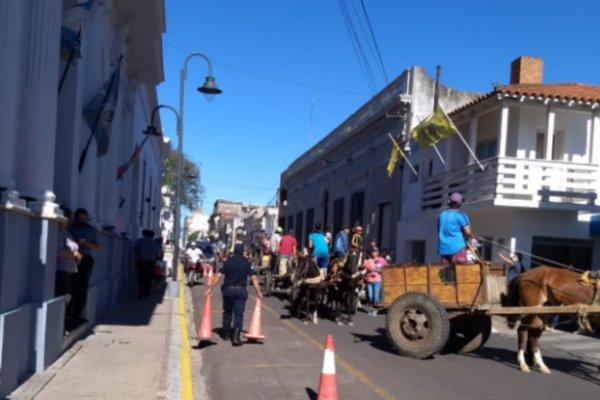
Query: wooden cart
{"x":433,"y":307}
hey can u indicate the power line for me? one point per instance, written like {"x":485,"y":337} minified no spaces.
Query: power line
{"x":271,"y":78}
{"x":374,"y":40}
{"x":356,"y":45}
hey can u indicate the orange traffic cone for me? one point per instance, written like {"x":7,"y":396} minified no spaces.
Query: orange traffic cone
{"x":205,"y":331}
{"x":327,"y":384}
{"x":209,"y":279}
{"x":254,"y":333}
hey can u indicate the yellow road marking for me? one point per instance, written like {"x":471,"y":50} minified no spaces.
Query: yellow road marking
{"x":244,"y":366}
{"x":186,"y":358}
{"x":339,"y":360}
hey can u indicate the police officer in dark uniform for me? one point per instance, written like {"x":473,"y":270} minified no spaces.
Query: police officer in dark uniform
{"x":236,"y":271}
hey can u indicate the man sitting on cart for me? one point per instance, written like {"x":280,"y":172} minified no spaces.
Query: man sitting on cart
{"x":454,"y":231}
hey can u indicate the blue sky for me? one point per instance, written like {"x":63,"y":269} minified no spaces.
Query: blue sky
{"x":290,"y":75}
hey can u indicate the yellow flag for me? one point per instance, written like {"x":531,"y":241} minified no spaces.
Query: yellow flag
{"x":394,"y":156}
{"x":435,"y":127}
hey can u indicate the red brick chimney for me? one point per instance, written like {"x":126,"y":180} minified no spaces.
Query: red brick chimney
{"x":526,"y":70}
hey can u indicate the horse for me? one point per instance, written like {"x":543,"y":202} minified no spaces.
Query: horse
{"x":548,"y":286}
{"x":342,"y":294}
{"x":306,"y":288}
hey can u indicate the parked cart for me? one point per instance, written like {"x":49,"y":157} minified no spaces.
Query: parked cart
{"x":433,"y":307}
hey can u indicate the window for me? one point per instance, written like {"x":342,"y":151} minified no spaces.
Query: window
{"x":290,"y":222}
{"x":417,"y":251}
{"x":357,"y":206}
{"x":540,"y":145}
{"x":299,"y":233}
{"x":338,"y":214}
{"x":310,"y":220}
{"x":486,"y":150}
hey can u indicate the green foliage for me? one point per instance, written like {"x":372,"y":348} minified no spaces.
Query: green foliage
{"x":192,"y":191}
{"x":192,"y":237}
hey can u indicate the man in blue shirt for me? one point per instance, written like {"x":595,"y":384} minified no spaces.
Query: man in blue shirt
{"x":235,"y":273}
{"x":318,"y":245}
{"x":85,"y":236}
{"x":454,"y":230}
{"x":340,"y":246}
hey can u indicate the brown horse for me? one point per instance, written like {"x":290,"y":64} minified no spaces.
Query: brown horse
{"x":547,"y":286}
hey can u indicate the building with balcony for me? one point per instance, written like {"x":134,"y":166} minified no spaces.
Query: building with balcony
{"x":58,"y":56}
{"x":539,"y":144}
{"x":343,"y":180}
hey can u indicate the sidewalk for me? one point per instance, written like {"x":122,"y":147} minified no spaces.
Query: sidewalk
{"x":130,"y":354}
{"x":580,"y":346}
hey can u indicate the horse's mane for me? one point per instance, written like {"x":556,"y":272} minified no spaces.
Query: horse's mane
{"x":307,"y":268}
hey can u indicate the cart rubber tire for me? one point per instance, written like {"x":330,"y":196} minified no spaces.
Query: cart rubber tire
{"x":267,"y":283}
{"x":468,"y":333}
{"x":417,"y":325}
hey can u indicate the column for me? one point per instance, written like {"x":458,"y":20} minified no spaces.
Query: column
{"x":11,"y":43}
{"x":549,"y":134}
{"x":503,"y":133}
{"x":68,"y":136}
{"x":38,"y":103}
{"x":473,"y":125}
{"x":595,"y":146}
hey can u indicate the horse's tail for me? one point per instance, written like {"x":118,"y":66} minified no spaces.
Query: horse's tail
{"x":511,"y":299}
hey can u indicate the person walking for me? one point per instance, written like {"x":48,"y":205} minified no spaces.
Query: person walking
{"x":86,"y":238}
{"x":357,"y":241}
{"x":318,"y":246}
{"x":146,"y":252}
{"x":454,"y":232}
{"x":235,"y":272}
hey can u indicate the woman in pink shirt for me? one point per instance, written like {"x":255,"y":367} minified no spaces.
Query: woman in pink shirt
{"x":374,"y":265}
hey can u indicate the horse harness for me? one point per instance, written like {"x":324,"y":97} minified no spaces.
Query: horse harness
{"x":592,"y":279}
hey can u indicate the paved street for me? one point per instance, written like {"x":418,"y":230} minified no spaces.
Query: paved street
{"x":288,"y":364}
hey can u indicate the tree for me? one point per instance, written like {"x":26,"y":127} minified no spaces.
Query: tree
{"x":192,"y":191}
{"x":193,"y":236}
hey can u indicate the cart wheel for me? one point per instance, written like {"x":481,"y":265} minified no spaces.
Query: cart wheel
{"x":267,"y":282}
{"x":468,"y":333}
{"x":417,"y":325}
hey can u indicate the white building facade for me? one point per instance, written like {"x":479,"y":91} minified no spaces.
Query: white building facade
{"x":197,"y":222}
{"x":540,"y":147}
{"x":44,"y":134}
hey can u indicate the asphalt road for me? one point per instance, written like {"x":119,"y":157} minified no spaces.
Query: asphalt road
{"x":288,"y":364}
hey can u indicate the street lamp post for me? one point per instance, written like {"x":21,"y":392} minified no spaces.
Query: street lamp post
{"x":208,"y":88}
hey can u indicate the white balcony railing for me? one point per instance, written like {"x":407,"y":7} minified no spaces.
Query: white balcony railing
{"x":518,"y":182}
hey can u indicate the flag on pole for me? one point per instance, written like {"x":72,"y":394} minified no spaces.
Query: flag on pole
{"x":394,"y":157}
{"x":397,"y":152}
{"x":437,"y":126}
{"x":121,"y":169}
{"x":100,"y":111}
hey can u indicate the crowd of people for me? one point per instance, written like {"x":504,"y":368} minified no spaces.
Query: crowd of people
{"x":329,"y":253}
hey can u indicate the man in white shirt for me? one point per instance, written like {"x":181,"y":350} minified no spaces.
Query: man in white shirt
{"x":193,"y":255}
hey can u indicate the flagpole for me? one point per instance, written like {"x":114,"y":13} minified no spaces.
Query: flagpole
{"x":465,"y":142}
{"x":69,"y":61}
{"x":403,"y":155}
{"x":97,"y":121}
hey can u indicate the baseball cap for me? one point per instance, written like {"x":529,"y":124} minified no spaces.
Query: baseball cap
{"x":456,"y":198}
{"x":279,"y":229}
